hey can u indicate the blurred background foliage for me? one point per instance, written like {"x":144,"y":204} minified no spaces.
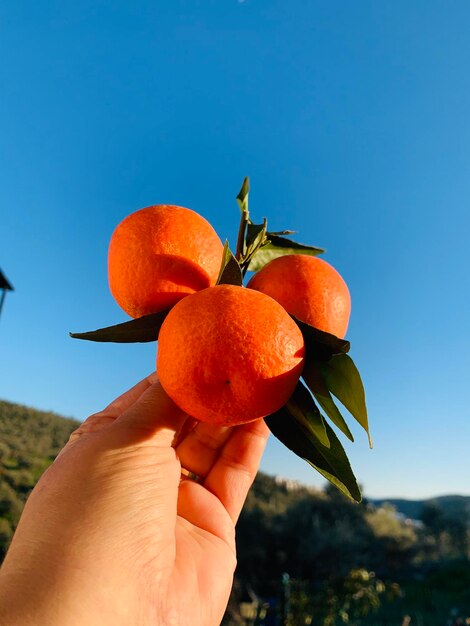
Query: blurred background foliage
{"x":305,"y":556}
{"x":29,"y":441}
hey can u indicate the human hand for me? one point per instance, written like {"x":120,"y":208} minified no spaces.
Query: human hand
{"x":113,"y":534}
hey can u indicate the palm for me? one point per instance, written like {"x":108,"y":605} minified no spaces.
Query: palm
{"x":205,"y":526}
{"x":202,"y":575}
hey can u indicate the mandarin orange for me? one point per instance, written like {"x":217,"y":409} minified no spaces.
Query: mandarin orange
{"x":159,"y":255}
{"x":308,"y":288}
{"x":229,"y":355}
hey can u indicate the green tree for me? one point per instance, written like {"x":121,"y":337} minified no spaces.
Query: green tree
{"x":339,"y":601}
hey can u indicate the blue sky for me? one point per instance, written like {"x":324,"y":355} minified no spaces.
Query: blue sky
{"x":351,"y":120}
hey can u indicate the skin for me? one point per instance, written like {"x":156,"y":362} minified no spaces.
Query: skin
{"x":112,"y":534}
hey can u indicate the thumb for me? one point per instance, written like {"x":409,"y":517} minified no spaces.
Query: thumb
{"x":139,"y":453}
{"x":154,"y":420}
{"x":141,"y":467}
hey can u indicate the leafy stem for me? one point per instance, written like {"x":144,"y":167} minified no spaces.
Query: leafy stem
{"x":242,"y":200}
{"x":256,"y":242}
{"x":256,"y":246}
{"x":241,"y":237}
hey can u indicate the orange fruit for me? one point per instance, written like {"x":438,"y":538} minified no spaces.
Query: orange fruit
{"x":160,"y":254}
{"x":229,"y":355}
{"x":308,"y":288}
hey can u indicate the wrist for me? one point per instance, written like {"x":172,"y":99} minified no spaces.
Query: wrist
{"x":29,"y":600}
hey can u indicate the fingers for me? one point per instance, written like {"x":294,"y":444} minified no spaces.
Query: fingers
{"x":235,"y":469}
{"x":202,"y":509}
{"x":153,"y":419}
{"x":227,"y":457}
{"x":199,"y":450}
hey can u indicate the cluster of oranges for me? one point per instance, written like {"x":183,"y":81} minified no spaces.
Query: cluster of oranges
{"x":227,"y":354}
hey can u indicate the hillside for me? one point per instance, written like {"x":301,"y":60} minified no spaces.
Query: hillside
{"x":413,"y":509}
{"x":29,"y":441}
{"x":325,"y":542}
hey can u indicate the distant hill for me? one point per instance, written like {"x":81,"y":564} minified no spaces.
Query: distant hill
{"x":29,"y":441}
{"x":412,"y":509}
{"x":318,"y":536}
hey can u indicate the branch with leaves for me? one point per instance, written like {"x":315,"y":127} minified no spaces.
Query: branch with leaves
{"x":329,"y":374}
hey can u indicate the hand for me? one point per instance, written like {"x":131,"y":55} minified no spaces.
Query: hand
{"x":112,"y":534}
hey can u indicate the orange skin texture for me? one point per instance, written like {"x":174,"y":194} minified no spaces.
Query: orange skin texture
{"x":159,"y":255}
{"x":229,"y":355}
{"x":308,"y":288}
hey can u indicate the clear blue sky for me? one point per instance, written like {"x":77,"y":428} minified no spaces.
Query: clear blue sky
{"x":352,"y":120}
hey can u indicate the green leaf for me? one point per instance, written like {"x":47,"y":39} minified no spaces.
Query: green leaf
{"x":279,"y":246}
{"x":320,"y":344}
{"x":316,"y":384}
{"x":255,"y":235}
{"x":242,"y":200}
{"x":303,"y":408}
{"x":342,"y":378}
{"x":140,"y":330}
{"x":301,"y":248}
{"x":230,"y":272}
{"x":242,"y":197}
{"x":332,"y":462}
{"x":282,"y":232}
